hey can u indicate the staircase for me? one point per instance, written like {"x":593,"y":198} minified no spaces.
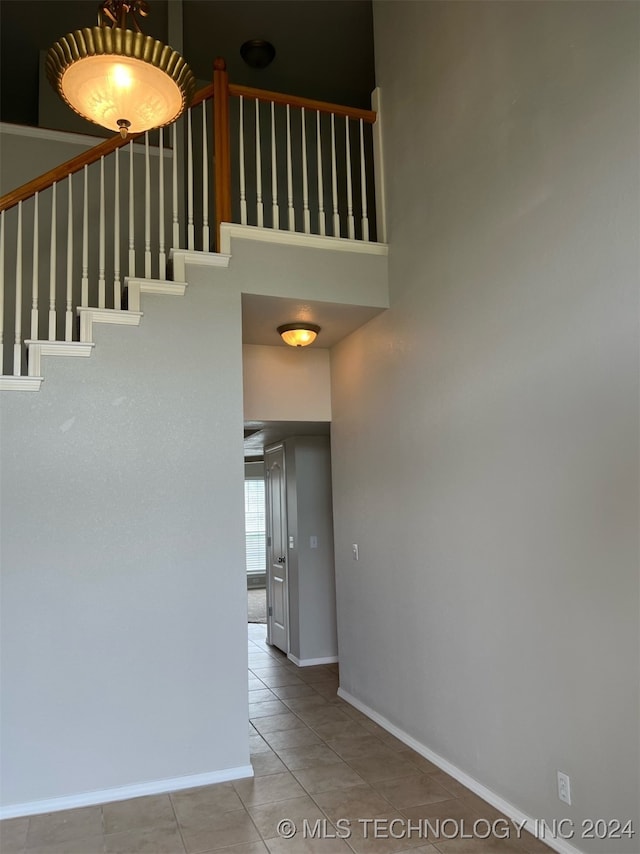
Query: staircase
{"x":145,"y":204}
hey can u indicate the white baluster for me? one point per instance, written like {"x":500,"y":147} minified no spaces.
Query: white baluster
{"x":68,"y":317}
{"x":334,"y":179}
{"x":306,"y":217}
{"x":132,"y":217}
{"x":275,"y":210}
{"x":17,"y":346}
{"x":205,"y":181}
{"x":162,"y":251}
{"x":351,"y":223}
{"x":147,"y":208}
{"x":290,"y":210}
{"x":117,"y":284}
{"x":322,"y":227}
{"x":1,"y":293}
{"x":363,"y":185}
{"x":102,"y":243}
{"x":259,"y":205}
{"x":243,"y":189}
{"x":84,"y":294}
{"x":35,"y":270}
{"x":190,"y":226}
{"x":52,"y":266}
{"x":174,"y":158}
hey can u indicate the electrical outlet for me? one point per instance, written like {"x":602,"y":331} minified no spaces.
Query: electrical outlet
{"x":564,"y":788}
{"x":356,"y":552}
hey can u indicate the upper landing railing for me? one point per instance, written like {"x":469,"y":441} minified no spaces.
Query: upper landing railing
{"x":239,"y":155}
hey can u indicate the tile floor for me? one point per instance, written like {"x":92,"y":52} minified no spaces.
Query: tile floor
{"x":315,"y":758}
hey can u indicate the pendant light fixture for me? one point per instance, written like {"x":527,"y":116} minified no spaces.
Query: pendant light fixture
{"x":118,"y":77}
{"x":298,"y":334}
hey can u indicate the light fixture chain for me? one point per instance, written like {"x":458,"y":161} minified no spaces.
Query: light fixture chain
{"x":117,"y":11}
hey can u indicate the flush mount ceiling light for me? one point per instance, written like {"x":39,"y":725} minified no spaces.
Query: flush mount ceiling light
{"x":298,"y":334}
{"x":257,"y":53}
{"x":117,"y":77}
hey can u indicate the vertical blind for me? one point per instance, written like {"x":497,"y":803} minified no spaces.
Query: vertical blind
{"x":255,"y":525}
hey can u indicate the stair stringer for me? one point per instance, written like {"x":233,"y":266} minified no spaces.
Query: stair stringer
{"x":83,"y":348}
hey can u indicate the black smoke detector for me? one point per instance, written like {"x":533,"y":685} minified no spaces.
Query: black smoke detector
{"x":257,"y":53}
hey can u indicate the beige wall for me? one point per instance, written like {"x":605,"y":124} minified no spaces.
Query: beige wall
{"x":282,"y":384}
{"x":485,"y":428}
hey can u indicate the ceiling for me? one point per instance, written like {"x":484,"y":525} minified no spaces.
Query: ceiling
{"x":259,"y":434}
{"x":262,"y":315}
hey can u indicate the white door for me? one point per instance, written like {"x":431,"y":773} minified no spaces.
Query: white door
{"x":277,"y":587}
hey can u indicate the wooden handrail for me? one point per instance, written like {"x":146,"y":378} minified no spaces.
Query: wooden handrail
{"x":76,"y":164}
{"x":92,"y":155}
{"x":202,"y":95}
{"x":368,"y":116}
{"x":58,"y":173}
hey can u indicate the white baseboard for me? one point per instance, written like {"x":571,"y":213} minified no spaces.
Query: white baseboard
{"x":123,"y":793}
{"x":310,"y":662}
{"x":560,"y":845}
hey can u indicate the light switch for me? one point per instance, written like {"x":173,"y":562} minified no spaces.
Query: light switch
{"x":291,"y":543}
{"x":313,"y":542}
{"x":356,"y":553}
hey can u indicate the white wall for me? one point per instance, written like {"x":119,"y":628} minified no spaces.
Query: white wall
{"x":485,"y":428}
{"x":123,"y":588}
{"x":285,"y":384}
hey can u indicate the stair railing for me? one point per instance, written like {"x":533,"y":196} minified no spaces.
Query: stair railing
{"x":302,"y":165}
{"x":69,"y":238}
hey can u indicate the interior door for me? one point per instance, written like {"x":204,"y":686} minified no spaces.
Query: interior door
{"x":277,"y":577}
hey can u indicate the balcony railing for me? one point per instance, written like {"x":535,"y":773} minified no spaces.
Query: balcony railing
{"x":69,"y":238}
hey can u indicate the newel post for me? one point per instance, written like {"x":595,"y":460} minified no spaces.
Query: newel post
{"x":378,"y":168}
{"x":221,"y":144}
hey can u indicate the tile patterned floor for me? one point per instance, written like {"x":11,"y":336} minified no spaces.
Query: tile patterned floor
{"x":316,"y":759}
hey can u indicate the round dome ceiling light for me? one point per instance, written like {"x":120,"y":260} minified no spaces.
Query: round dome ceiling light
{"x":298,"y":334}
{"x":118,"y":77}
{"x":258,"y":53}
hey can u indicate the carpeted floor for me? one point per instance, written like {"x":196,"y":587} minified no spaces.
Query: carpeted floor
{"x":257,"y":606}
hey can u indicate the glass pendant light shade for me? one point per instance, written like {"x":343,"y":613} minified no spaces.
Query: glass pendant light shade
{"x":298,"y":334}
{"x":120,"y":79}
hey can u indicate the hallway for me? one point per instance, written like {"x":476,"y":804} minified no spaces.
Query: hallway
{"x":316,"y":759}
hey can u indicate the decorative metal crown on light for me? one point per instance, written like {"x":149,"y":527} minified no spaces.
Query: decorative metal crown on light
{"x":298,"y":334}
{"x":117,"y":77}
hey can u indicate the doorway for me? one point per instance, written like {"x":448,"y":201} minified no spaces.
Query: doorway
{"x":284,"y":556}
{"x":255,"y":541}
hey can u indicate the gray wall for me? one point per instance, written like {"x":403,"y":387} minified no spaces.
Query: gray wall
{"x":485,"y":428}
{"x":312,"y":591}
{"x":123,"y":588}
{"x":122,"y":542}
{"x":323,"y":50}
{"x":28,"y":27}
